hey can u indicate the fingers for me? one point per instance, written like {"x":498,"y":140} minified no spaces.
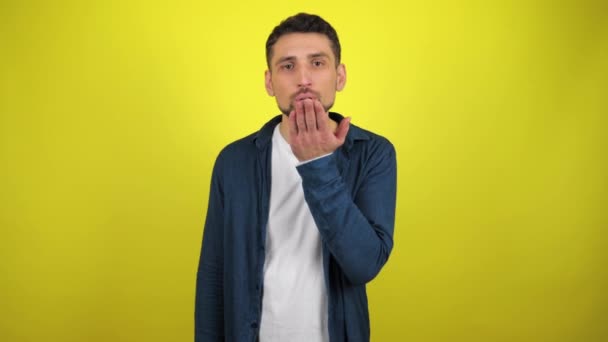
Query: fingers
{"x":310,"y":117}
{"x":311,"y":131}
{"x":342,"y":129}
{"x":300,"y":117}
{"x":293,"y":126}
{"x":321,"y":117}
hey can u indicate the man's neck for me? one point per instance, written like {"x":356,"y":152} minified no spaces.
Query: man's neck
{"x":284,"y":126}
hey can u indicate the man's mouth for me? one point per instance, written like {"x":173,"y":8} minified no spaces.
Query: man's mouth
{"x":306,"y":95}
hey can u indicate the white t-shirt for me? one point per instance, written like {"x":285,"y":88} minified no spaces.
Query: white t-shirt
{"x":294,"y":304}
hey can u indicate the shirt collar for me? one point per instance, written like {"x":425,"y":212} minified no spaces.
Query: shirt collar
{"x":264,"y":135}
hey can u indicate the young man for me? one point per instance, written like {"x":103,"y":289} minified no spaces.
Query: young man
{"x":301,"y":213}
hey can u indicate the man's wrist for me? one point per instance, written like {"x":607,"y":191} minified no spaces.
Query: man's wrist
{"x":313,"y":159}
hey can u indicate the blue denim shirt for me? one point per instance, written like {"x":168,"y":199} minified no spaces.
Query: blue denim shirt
{"x":351,"y":195}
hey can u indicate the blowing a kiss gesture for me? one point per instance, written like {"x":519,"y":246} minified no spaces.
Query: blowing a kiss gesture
{"x":312,"y":133}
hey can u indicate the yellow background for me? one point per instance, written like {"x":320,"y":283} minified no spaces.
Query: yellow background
{"x":112,"y":113}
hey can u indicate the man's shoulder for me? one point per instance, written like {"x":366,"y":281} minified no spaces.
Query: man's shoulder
{"x":237,"y":157}
{"x":243,"y":144}
{"x":249,"y":146}
{"x":240,"y":148}
{"x":365,"y":139}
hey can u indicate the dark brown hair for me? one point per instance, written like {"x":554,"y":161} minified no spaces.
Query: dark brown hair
{"x":303,"y":23}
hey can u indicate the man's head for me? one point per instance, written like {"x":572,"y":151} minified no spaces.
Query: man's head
{"x":303,"y":57}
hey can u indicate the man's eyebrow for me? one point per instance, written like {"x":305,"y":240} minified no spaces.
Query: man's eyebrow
{"x":318,"y":54}
{"x":292,"y":58}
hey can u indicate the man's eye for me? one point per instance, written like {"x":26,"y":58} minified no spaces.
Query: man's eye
{"x":317,"y":63}
{"x":287,"y":66}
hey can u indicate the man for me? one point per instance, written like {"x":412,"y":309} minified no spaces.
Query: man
{"x":301,"y":213}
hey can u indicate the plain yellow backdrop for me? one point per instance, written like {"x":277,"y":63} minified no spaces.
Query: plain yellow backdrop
{"x":112,"y":113}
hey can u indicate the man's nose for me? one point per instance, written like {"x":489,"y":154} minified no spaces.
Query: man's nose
{"x":304,"y":77}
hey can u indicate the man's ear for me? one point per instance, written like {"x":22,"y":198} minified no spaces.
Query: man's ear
{"x":268,"y":82}
{"x":341,"y":77}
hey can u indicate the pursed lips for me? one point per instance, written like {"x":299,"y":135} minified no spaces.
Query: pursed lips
{"x":306,"y":95}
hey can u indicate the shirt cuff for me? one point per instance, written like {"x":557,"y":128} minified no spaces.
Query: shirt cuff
{"x":313,"y":159}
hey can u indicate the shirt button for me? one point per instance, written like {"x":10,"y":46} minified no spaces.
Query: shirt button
{"x":254,"y":325}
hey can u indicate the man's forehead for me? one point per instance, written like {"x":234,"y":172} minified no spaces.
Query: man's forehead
{"x":301,"y":45}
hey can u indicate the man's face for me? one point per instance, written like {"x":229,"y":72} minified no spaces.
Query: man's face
{"x":303,"y":66}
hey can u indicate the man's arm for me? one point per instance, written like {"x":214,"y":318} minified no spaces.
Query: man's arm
{"x":358,"y":231}
{"x":209,"y":303}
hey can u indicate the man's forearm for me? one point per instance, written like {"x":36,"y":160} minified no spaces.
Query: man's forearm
{"x":358,"y":231}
